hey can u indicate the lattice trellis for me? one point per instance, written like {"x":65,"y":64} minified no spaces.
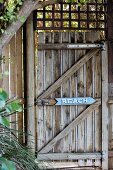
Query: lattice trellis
{"x":72,"y":16}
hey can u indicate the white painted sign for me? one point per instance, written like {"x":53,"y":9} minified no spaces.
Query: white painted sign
{"x":75,"y":101}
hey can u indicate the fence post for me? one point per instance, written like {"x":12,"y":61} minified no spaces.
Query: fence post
{"x":105,"y":109}
{"x":30,"y":82}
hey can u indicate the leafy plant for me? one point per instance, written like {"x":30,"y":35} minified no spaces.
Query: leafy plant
{"x":8,"y":12}
{"x":12,"y":153}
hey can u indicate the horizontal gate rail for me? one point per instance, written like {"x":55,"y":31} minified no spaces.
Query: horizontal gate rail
{"x":68,"y":73}
{"x":72,"y":125}
{"x":68,"y":156}
{"x":73,"y":165}
{"x":58,"y":46}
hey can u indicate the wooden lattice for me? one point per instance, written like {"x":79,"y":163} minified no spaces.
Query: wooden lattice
{"x":72,"y":16}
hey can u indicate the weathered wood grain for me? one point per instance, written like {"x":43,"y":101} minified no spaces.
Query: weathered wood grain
{"x":6,"y":68}
{"x":65,"y":91}
{"x":105,"y":108}
{"x":30,"y":82}
{"x":68,"y":73}
{"x":13,"y":80}
{"x":97,"y":93}
{"x":65,"y":165}
{"x":64,"y":45}
{"x":69,"y":156}
{"x":68,"y":128}
{"x":48,"y":72}
{"x":57,"y":119}
{"x":39,"y":90}
{"x":19,"y":83}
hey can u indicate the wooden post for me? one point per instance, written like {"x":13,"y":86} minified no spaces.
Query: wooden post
{"x":110,"y":45}
{"x":30,"y":82}
{"x":105,"y":108}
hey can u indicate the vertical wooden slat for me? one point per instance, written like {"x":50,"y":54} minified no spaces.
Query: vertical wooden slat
{"x":56,"y":74}
{"x":39,"y":90}
{"x":97,"y":94}
{"x":110,"y":130}
{"x":65,"y":89}
{"x":76,"y":94}
{"x":105,"y":108}
{"x":80,"y":93}
{"x":89,"y":92}
{"x":47,"y":82}
{"x":30,"y":82}
{"x":13,"y":82}
{"x":19,"y":89}
{"x":110,"y":45}
{"x":6,"y":68}
{"x":13,"y":68}
{"x":72,"y":93}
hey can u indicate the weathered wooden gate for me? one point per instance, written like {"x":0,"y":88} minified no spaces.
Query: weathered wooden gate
{"x":72,"y":65}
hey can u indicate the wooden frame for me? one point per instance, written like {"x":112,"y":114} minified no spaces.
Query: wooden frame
{"x":105,"y":108}
{"x":70,"y":127}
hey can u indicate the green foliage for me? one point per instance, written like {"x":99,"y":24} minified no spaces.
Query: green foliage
{"x":7,"y":108}
{"x":8,"y":12}
{"x":13,"y":107}
{"x":80,"y":2}
{"x":1,"y":1}
{"x":3,"y":95}
{"x":12,"y":154}
{"x":6,"y":164}
{"x":4,"y":121}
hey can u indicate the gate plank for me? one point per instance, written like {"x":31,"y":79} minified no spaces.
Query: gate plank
{"x":13,"y":82}
{"x":66,"y":165}
{"x":39,"y":90}
{"x":48,"y":72}
{"x":65,"y":92}
{"x":56,"y":74}
{"x":68,"y":129}
{"x":63,"y":46}
{"x":105,"y":109}
{"x":97,"y":113}
{"x":80,"y":92}
{"x":69,"y":156}
{"x":68,"y":73}
{"x":19,"y":88}
{"x":73,"y":87}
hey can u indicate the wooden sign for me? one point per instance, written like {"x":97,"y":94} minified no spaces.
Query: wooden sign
{"x":75,"y":101}
{"x":67,"y":101}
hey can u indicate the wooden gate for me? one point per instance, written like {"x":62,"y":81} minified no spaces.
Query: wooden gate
{"x":73,"y":137}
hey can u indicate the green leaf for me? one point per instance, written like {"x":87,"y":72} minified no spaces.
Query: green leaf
{"x":3,"y":95}
{"x":14,"y":106}
{"x":4,"y":121}
{"x":1,"y":1}
{"x":2,"y":103}
{"x":6,"y":164}
{"x":22,"y":19}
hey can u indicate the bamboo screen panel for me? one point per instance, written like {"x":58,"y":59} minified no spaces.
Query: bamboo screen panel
{"x":72,"y":16}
